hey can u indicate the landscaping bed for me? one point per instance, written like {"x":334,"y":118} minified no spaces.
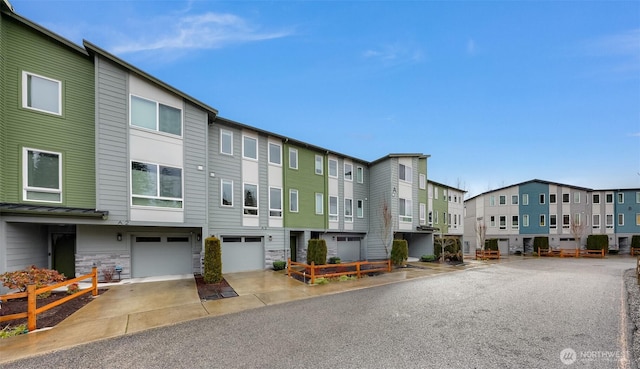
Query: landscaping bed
{"x":213,"y":291}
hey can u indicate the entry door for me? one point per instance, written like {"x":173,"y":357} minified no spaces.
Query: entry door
{"x":293,"y":243}
{"x":63,"y":247}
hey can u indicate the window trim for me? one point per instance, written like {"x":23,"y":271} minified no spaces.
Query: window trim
{"x":620,"y":219}
{"x":244,"y":156}
{"x":553,"y":221}
{"x":422,"y":181}
{"x":422,"y":214}
{"x":348,"y":216}
{"x":408,"y":173}
{"x":157,"y":128}
{"x":25,"y":177}
{"x":407,"y":217}
{"x":271,"y":162}
{"x":223,"y":133}
{"x":319,"y":160}
{"x":222,"y":184}
{"x":275,"y":210}
{"x":291,"y":202}
{"x":620,"y":197}
{"x":246,"y":208}
{"x":329,"y":162}
{"x":359,"y":209}
{"x":595,"y":224}
{"x":360,"y":175}
{"x":319,"y":196}
{"x":334,"y":216}
{"x":350,"y":176}
{"x":295,"y":154}
{"x":25,"y":93}
{"x":158,"y":187}
{"x":525,"y":199}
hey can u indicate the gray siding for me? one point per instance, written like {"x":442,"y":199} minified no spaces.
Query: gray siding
{"x":26,"y":245}
{"x":381,"y":175}
{"x":195,"y":155}
{"x":112,"y":179}
{"x":361,"y":192}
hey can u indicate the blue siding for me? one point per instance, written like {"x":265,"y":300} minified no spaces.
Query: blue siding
{"x":629,"y":208}
{"x":534,"y":208}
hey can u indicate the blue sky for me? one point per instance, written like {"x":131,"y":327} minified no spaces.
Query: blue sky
{"x":497,"y":92}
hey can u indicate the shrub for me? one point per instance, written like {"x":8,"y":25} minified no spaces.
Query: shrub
{"x":9,"y":331}
{"x":73,"y":288}
{"x":212,"y":260}
{"x":452,"y":248}
{"x":427,"y":258}
{"x":491,"y":244}
{"x":321,"y":280}
{"x":399,"y":252}
{"x":598,"y":242}
{"x":334,"y":260}
{"x":279,"y":265}
{"x":20,"y":279}
{"x":317,"y":252}
{"x":540,"y":243}
{"x":635,"y":241}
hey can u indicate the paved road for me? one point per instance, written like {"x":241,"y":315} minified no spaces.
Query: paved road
{"x":512,"y":315}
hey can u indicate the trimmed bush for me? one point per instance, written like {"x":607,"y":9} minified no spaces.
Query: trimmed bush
{"x":427,"y":258}
{"x":399,"y":252}
{"x":212,"y":260}
{"x":540,"y":243}
{"x":334,"y":260}
{"x":635,"y":241}
{"x":317,"y":251}
{"x":491,"y":244}
{"x":279,"y":265}
{"x":598,"y":242}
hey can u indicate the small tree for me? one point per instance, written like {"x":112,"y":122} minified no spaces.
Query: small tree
{"x":577,"y":229}
{"x":399,"y":252}
{"x":317,"y":251}
{"x":481,"y":232}
{"x":212,"y":260}
{"x":386,"y":231}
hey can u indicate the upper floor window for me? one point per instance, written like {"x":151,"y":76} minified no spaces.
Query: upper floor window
{"x":525,"y":199}
{"x":596,"y":198}
{"x":293,"y":158}
{"x":542,"y":198}
{"x":565,"y":198}
{"x":637,"y":197}
{"x":249,"y":147}
{"x":422,"y":181}
{"x":152,"y":115}
{"x":525,"y":220}
{"x":514,"y":199}
{"x":405,"y":210}
{"x":423,"y":213}
{"x":503,"y":222}
{"x":250,"y":199}
{"x":156,"y":185}
{"x":620,"y":198}
{"x":319,"y":203}
{"x":360,"y":209}
{"x":503,"y":199}
{"x":608,"y":198}
{"x":275,"y":202}
{"x":596,"y":220}
{"x":621,"y":219}
{"x":553,"y":221}
{"x":404,"y":173}
{"x":41,"y":93}
{"x":333,"y":168}
{"x":552,"y":198}
{"x":42,"y":175}
{"x":319,"y":165}
{"x":360,"y":176}
{"x":333,"y":208}
{"x":609,"y":220}
{"x":566,"y":221}
{"x":348,"y":172}
{"x":293,"y":201}
{"x":275,"y":154}
{"x":576,"y":197}
{"x":542,"y":220}
{"x":226,"y":192}
{"x":515,"y":222}
{"x":348,"y":210}
{"x":226,"y":142}
{"x":492,"y":200}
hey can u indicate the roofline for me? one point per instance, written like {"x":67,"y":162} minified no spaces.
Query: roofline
{"x":60,"y":211}
{"x":444,"y":185}
{"x":92,"y":48}
{"x":400,"y":155}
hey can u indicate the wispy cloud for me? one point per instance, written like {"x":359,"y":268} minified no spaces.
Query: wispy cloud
{"x":193,"y":32}
{"x":394,"y":54}
{"x":624,"y":47}
{"x":635,"y":134}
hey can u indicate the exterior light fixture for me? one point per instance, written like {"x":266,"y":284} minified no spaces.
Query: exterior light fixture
{"x":119,"y":237}
{"x":198,"y":237}
{"x":270,"y":238}
{"x":393,"y":193}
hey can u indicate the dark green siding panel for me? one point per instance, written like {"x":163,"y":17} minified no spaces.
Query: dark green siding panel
{"x":71,"y":134}
{"x":3,"y":92}
{"x":308,"y":184}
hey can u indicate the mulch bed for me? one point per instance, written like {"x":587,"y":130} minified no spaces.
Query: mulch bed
{"x":337,"y":269}
{"x":213,"y":291}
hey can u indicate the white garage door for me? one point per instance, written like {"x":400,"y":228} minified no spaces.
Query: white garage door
{"x":161,"y":255}
{"x":241,"y":254}
{"x":349,"y":248}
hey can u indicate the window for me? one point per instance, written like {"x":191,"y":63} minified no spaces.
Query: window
{"x":275,"y":202}
{"x":553,"y":221}
{"x":430,"y":220}
{"x":609,"y":198}
{"x":250,"y":199}
{"x":405,"y":210}
{"x":226,"y":142}
{"x":514,"y":199}
{"x":319,"y":203}
{"x":348,"y":210}
{"x":152,"y":115}
{"x":435,"y":192}
{"x":566,"y":221}
{"x":637,"y":197}
{"x":293,"y":158}
{"x":503,"y":199}
{"x":275,"y":154}
{"x":503,"y":222}
{"x":620,"y":198}
{"x":333,"y":168}
{"x":404,"y":173}
{"x":492,"y":221}
{"x":577,"y":219}
{"x":565,"y":198}
{"x":226,"y":192}
{"x":360,"y":209}
{"x":596,"y":198}
{"x":552,"y":198}
{"x":609,"y":220}
{"x":596,"y":221}
{"x":436,"y":219}
{"x":422,"y":181}
{"x":41,"y":93}
{"x":525,"y":220}
{"x":360,"y":175}
{"x":637,"y":218}
{"x":444,"y":217}
{"x":542,"y":198}
{"x":348,"y":172}
{"x":542,"y":220}
{"x":620,"y":219}
{"x":42,"y":176}
{"x":525,"y":199}
{"x":492,"y":200}
{"x":576,"y":197}
{"x":156,"y":185}
{"x":249,"y":147}
{"x":293,"y":201}
{"x":319,"y":165}
{"x":333,"y":208}
{"x":515,"y":224}
{"x":423,"y":213}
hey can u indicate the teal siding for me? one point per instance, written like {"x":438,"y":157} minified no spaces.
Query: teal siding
{"x":630,"y":209}
{"x":534,"y":209}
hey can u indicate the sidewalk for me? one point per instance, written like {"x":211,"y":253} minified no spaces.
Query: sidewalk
{"x":133,"y":307}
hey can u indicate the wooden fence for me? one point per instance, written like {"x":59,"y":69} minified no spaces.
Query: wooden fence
{"x":357,"y":268}
{"x":32,"y":293}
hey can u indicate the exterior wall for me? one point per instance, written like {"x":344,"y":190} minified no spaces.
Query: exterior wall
{"x":382,"y":182}
{"x":534,"y":208}
{"x":456,"y":209}
{"x":3,"y":92}
{"x":439,"y":208}
{"x":361,"y":192}
{"x":26,"y":245}
{"x":308,"y":184}
{"x":195,"y":164}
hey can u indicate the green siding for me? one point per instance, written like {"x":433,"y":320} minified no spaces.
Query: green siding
{"x":3,"y":92}
{"x":308,"y":184}
{"x":71,"y":134}
{"x":441,"y":206}
{"x":422,"y":169}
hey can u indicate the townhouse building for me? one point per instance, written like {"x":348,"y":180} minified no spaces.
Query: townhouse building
{"x":566,"y":214}
{"x":446,"y":209}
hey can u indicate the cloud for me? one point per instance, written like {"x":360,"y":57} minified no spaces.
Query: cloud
{"x":635,"y":134}
{"x":394,"y":54}
{"x":624,"y":47}
{"x":196,"y":32}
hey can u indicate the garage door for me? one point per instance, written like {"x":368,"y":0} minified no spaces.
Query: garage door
{"x":161,"y":255}
{"x":349,"y":248}
{"x":241,"y":254}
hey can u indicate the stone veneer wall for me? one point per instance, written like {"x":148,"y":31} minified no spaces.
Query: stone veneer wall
{"x":274,"y":255}
{"x":85,"y":262}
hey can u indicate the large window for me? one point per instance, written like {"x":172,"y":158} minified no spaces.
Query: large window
{"x":293,"y":158}
{"x":553,"y":221}
{"x":250,"y":199}
{"x":360,"y":177}
{"x":226,"y":142}
{"x":226,"y":192}
{"x":275,"y":154}
{"x":275,"y":202}
{"x":404,"y":173}
{"x":42,"y":175}
{"x":596,"y":198}
{"x":152,"y":115}
{"x":348,"y":172}
{"x":609,"y":220}
{"x":515,"y":222}
{"x":596,"y":221}
{"x":422,"y":181}
{"x":156,"y":185}
{"x":566,"y":221}
{"x":525,"y":199}
{"x":249,"y":147}
{"x":319,"y":165}
{"x":333,"y":168}
{"x":293,"y":201}
{"x":333,"y":208}
{"x":525,"y":220}
{"x":423,"y":213}
{"x":503,"y":222}
{"x":406,"y":210}
{"x":319,"y":203}
{"x":348,"y":210}
{"x":41,"y":93}
{"x":360,"y":209}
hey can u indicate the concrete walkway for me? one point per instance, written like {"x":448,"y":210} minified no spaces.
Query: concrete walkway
{"x":134,"y":306}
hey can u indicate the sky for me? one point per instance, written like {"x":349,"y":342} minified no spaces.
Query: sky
{"x":496,"y":92}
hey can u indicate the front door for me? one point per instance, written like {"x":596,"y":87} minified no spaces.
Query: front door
{"x":293,"y":243}
{"x":63,"y":248}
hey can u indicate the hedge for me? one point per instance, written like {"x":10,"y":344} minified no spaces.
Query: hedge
{"x":540,"y":243}
{"x":212,"y":260}
{"x":399,"y":252}
{"x":598,"y":242}
{"x":317,"y":251}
